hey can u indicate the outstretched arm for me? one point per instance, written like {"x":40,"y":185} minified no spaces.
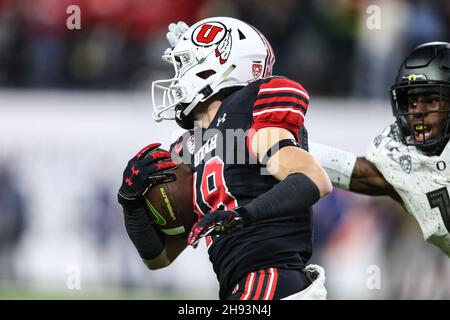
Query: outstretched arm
{"x":366,"y":179}
{"x":155,"y":248}
{"x":349,"y":172}
{"x":173,"y":246}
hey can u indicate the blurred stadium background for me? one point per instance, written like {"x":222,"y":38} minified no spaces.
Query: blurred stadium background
{"x":75,"y":106}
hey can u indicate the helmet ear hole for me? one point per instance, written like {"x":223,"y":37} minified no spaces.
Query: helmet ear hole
{"x":205,"y":74}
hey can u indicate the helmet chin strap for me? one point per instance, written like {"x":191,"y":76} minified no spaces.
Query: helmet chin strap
{"x":434,"y":148}
{"x":208,"y":90}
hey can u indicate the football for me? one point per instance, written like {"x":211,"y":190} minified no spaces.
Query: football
{"x":170,"y":204}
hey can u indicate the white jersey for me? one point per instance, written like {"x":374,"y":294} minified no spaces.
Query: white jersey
{"x":423,"y":183}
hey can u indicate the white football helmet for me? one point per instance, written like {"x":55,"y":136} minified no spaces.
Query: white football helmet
{"x":211,"y":55}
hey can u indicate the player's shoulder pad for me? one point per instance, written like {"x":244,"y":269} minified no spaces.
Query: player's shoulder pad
{"x":385,"y":144}
{"x":280,"y":102}
{"x":280,"y":81}
{"x":390,"y":135}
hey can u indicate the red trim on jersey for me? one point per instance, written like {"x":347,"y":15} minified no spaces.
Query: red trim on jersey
{"x":248,"y":287}
{"x":262,"y":275}
{"x":279,"y":108}
{"x":272,"y":284}
{"x":290,"y":116}
{"x":285,"y":125}
{"x":287,"y":111}
{"x":208,"y":241}
{"x":197,"y":209}
{"x":277,"y":83}
{"x":284,"y":90}
{"x":260,"y":101}
{"x":220,"y":194}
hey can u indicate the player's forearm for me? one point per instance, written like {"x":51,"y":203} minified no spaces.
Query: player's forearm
{"x":161,"y":261}
{"x":321,"y":180}
{"x":155,"y":248}
{"x":361,"y":180}
{"x":348,"y":172}
{"x":288,"y":197}
{"x":148,"y":241}
{"x":295,"y":160}
{"x":366,"y":179}
{"x":302,"y":181}
{"x":173,"y":246}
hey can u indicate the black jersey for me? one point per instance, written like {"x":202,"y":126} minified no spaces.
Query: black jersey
{"x":227,"y":175}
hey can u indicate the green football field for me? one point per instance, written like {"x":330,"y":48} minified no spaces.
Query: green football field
{"x":23,"y":292}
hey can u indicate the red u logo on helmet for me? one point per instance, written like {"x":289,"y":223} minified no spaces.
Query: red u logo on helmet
{"x":208,"y":34}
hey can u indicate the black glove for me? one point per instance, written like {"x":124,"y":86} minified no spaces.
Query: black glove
{"x":144,"y":171}
{"x":217,"y":222}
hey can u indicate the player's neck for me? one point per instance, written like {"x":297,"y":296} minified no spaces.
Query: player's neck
{"x":205,"y":118}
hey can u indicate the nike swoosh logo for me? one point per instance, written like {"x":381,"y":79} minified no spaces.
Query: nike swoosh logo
{"x":159,"y":218}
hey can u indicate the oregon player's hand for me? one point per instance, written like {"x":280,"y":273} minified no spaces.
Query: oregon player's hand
{"x":144,"y":171}
{"x":217,"y":222}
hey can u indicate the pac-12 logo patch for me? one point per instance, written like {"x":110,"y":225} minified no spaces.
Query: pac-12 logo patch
{"x":257,"y":70}
{"x":405,"y":163}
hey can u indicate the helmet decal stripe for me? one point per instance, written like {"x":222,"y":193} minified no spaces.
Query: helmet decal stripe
{"x":270,"y":58}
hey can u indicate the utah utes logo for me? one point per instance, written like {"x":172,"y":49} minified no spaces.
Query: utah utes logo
{"x":208,"y":34}
{"x":214,"y":33}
